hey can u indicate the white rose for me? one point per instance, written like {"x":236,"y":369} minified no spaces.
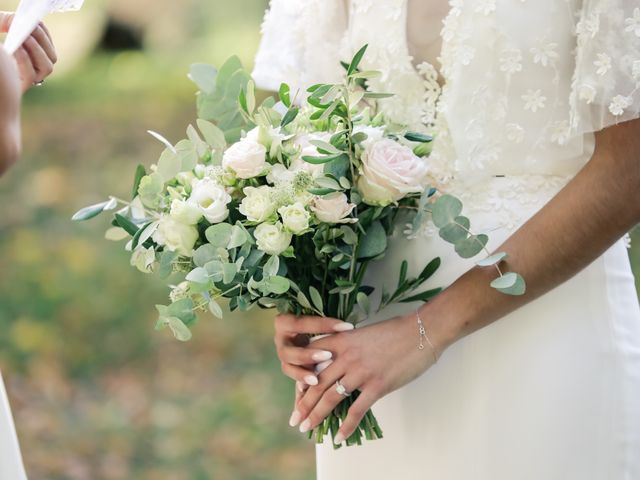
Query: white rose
{"x":246,"y":158}
{"x":390,"y":171}
{"x":179,"y":292}
{"x":143,"y":259}
{"x":185,"y":212}
{"x":258,"y":204}
{"x":212,"y":200}
{"x":333,"y":208}
{"x":176,"y":236}
{"x":272,"y":239}
{"x":295,"y":218}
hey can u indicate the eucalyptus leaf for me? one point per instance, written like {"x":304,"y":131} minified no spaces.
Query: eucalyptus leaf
{"x":374,"y":242}
{"x":212,"y":134}
{"x":198,"y":275}
{"x":271,"y":266}
{"x":205,"y":254}
{"x":204,"y":76}
{"x":492,"y":260}
{"x":455,"y":231}
{"x":219,"y":235}
{"x":472,"y":246}
{"x":169,"y":165}
{"x":178,"y":328}
{"x":445,"y":210}
{"x":166,"y":263}
{"x":303,"y":301}
{"x":363,"y":301}
{"x":510,"y":284}
{"x":276,"y":285}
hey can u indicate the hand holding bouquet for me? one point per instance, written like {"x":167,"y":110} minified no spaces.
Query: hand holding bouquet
{"x":285,"y":206}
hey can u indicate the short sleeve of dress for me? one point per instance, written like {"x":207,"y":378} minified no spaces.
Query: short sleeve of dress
{"x":606,"y":81}
{"x":300,"y":39}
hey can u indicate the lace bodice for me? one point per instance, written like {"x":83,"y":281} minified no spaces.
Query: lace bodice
{"x":526,"y":82}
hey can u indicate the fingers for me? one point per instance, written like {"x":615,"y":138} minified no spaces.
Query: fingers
{"x":299,"y":374}
{"x":5,"y":21}
{"x":43,"y":39}
{"x":356,"y":413}
{"x":310,"y":325}
{"x":41,"y":62}
{"x":26,"y":70}
{"x":302,"y":356}
{"x":314,"y":394}
{"x":329,"y":400}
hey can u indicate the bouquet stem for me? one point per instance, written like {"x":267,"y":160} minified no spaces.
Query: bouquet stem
{"x":368,"y":427}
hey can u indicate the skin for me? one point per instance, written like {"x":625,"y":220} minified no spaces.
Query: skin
{"x":32,"y":63}
{"x":597,"y":207}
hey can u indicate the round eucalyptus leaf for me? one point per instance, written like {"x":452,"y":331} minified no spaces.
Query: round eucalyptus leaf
{"x":455,"y":231}
{"x":445,"y":210}
{"x":276,"y":285}
{"x":510,"y":283}
{"x":198,"y":275}
{"x":271,"y":266}
{"x":493,"y":259}
{"x":472,"y":246}
{"x":205,"y":254}
{"x":219,"y":235}
{"x":179,"y":329}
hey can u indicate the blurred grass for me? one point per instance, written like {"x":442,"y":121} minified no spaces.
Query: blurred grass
{"x":97,"y":393}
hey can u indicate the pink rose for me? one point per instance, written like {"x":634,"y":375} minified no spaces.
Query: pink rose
{"x":390,"y":171}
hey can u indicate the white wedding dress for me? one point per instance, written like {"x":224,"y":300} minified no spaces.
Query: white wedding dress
{"x":552,"y":391}
{"x":10,"y":459}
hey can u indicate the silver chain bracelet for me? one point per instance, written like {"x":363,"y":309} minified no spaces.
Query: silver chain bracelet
{"x":423,"y":335}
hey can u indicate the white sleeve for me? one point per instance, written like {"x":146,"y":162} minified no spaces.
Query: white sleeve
{"x":606,"y":81}
{"x":300,"y":43}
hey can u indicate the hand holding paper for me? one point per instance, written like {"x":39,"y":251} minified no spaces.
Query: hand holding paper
{"x":29,"y":14}
{"x":37,"y":55}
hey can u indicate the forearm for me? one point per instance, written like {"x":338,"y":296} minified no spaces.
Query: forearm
{"x":9,"y":144}
{"x":594,"y":210}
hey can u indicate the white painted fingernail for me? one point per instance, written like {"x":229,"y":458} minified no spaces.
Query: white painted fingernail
{"x":295,"y":418}
{"x":338,"y":439}
{"x":306,"y":425}
{"x":322,"y":366}
{"x":311,"y":379}
{"x":344,"y":327}
{"x":321,"y":356}
{"x":300,"y":386}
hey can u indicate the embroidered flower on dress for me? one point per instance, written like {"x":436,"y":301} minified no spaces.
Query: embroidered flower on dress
{"x":560,"y":132}
{"x":465,"y":54}
{"x":633,"y":23}
{"x":514,"y":132}
{"x":603,"y":63}
{"x":587,"y":92}
{"x":544,"y":53}
{"x":588,"y":26}
{"x":618,"y":104}
{"x":511,"y":61}
{"x":534,"y":100}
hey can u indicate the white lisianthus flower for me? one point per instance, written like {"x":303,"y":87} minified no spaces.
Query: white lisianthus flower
{"x":212,"y":200}
{"x":176,"y":236}
{"x":272,"y":239}
{"x":390,"y":171}
{"x":186,"y":212}
{"x":333,"y":208}
{"x":295,"y":218}
{"x":258,"y":204}
{"x":280,"y":174}
{"x":143,"y":259}
{"x":246,"y":158}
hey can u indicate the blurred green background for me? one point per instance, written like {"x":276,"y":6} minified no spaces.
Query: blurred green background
{"x":97,"y":393}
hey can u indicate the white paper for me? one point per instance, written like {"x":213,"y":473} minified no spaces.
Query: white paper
{"x":29,"y":14}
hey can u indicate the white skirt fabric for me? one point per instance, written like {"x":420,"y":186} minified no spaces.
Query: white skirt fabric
{"x":551,"y":391}
{"x":11,"y":467}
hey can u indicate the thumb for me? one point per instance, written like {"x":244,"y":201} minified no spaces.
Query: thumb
{"x":5,"y":21}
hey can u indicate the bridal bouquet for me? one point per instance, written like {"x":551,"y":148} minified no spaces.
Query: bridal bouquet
{"x":285,"y":206}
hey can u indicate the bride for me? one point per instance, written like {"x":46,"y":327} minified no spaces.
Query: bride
{"x":32,"y":64}
{"x":535,"y":108}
